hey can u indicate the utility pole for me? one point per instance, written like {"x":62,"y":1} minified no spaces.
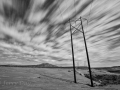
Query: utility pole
{"x":87,"y":54}
{"x":89,"y":67}
{"x":74,"y":72}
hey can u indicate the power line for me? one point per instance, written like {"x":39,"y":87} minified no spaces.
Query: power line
{"x":90,"y":12}
{"x":61,"y":14}
{"x":89,"y":67}
{"x":75,"y":7}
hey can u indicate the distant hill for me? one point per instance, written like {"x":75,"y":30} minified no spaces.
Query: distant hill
{"x":116,"y":67}
{"x":46,"y":65}
{"x":43,"y":65}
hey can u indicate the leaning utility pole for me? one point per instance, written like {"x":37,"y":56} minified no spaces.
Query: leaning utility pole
{"x":73,"y":54}
{"x":89,"y":67}
{"x":87,"y":53}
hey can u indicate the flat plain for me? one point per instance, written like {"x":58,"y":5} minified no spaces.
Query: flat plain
{"x":21,"y":78}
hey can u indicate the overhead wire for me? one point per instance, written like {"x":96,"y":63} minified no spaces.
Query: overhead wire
{"x":76,"y":12}
{"x":90,"y":12}
{"x":61,"y":13}
{"x":75,"y":7}
{"x":88,"y":20}
{"x":77,"y":19}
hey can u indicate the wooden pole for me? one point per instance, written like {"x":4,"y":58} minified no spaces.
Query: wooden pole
{"x":75,"y":81}
{"x":87,"y":54}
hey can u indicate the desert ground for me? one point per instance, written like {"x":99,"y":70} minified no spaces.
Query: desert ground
{"x":18,"y":78}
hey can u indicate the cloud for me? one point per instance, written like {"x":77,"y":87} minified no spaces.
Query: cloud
{"x":42,"y":35}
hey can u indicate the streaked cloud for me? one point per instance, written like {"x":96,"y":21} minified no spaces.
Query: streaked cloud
{"x":41,"y":33}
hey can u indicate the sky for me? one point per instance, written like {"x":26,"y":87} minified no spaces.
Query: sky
{"x":38,"y":31}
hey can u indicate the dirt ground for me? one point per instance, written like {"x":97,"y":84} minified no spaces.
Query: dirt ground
{"x":16,"y":78}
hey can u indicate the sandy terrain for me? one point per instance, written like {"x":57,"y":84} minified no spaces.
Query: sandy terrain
{"x":16,"y":78}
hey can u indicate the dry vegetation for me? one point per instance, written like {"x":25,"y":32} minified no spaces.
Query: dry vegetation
{"x":105,"y":79}
{"x":105,"y":76}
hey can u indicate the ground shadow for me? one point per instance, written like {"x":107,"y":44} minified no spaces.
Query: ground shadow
{"x":65,"y":80}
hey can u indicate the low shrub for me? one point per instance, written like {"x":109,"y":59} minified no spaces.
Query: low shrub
{"x":105,"y":79}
